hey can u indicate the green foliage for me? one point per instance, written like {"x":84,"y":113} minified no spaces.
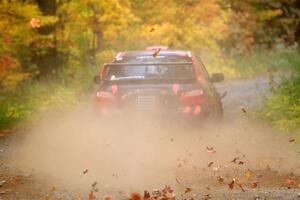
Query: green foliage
{"x":283,"y":108}
{"x":263,"y":23}
{"x":34,"y":98}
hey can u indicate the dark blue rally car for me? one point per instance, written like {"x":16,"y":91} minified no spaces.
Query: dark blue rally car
{"x":158,"y":80}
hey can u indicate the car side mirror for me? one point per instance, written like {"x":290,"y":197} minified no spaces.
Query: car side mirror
{"x":217,"y":77}
{"x":97,"y":79}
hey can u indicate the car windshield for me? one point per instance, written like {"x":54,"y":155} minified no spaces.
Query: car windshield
{"x":140,"y":70}
{"x":166,"y":72}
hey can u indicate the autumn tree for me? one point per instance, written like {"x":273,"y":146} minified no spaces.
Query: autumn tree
{"x":262,"y":23}
{"x":92,"y":24}
{"x":17,"y":37}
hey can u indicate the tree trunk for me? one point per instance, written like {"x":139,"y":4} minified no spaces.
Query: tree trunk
{"x":297,"y":32}
{"x":48,"y":63}
{"x":99,"y":40}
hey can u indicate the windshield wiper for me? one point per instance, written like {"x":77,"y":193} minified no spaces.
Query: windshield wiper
{"x":113,"y":78}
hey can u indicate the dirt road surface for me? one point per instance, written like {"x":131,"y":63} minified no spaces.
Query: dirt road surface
{"x":68,"y":155}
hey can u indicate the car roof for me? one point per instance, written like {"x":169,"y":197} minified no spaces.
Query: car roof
{"x":150,"y":53}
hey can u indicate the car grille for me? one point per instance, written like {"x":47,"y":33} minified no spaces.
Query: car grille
{"x":146,"y":102}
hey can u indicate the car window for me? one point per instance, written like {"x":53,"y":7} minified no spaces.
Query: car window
{"x":166,"y":72}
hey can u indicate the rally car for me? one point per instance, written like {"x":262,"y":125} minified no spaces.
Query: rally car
{"x":158,"y":80}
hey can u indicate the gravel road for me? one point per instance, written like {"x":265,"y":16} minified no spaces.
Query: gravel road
{"x":66,"y":156}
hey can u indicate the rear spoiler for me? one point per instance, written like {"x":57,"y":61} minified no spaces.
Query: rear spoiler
{"x":148,"y":63}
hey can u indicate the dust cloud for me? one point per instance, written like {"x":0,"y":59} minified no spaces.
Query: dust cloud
{"x":133,"y":153}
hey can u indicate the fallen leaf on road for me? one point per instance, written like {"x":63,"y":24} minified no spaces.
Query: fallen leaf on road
{"x":107,"y":198}
{"x":248,"y":174}
{"x":146,"y":195}
{"x":254,"y":185}
{"x":220,"y":179}
{"x":241,"y":186}
{"x":47,"y":197}
{"x":91,"y":196}
{"x":231,"y":184}
{"x":187,"y":190}
{"x":167,"y":189}
{"x":210,"y":164}
{"x":290,"y":181}
{"x":135,"y":196}
{"x":206,"y":197}
{"x":156,"y":193}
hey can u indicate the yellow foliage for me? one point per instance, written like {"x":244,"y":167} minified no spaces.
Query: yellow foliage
{"x":269,"y":14}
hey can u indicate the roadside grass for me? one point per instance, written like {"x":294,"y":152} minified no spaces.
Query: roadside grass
{"x":259,"y":63}
{"x":282,"y":109}
{"x":33,"y":97}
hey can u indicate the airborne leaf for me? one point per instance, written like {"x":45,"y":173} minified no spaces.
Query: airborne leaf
{"x":156,"y":52}
{"x":210,"y":164}
{"x":210,"y":150}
